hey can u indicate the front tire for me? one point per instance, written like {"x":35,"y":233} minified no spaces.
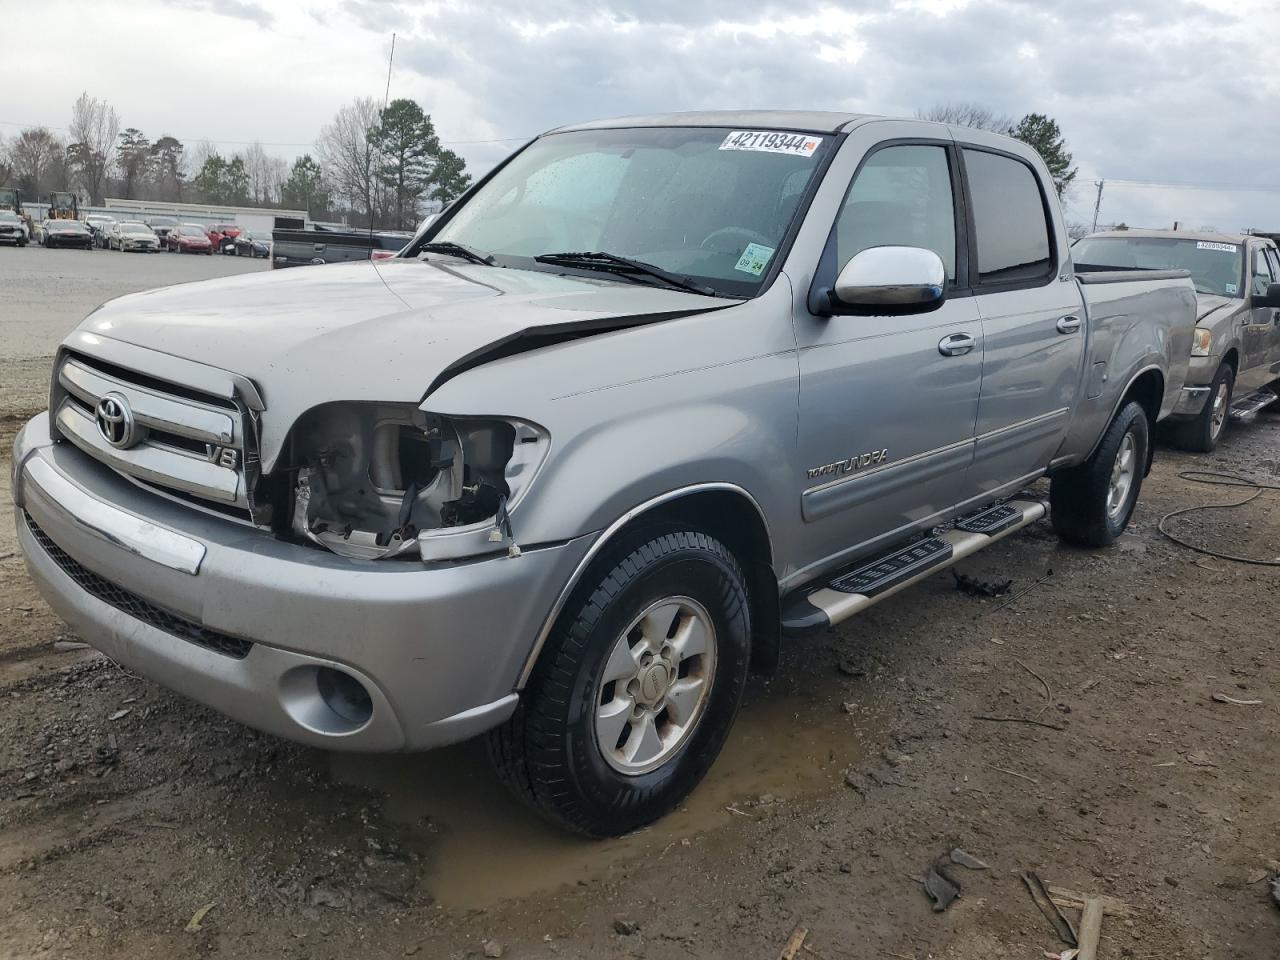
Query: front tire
{"x":1202,"y":434}
{"x":1092,"y":503}
{"x":637,"y":688}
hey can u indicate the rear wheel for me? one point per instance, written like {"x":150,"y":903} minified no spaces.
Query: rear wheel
{"x":1203,"y":433}
{"x":635,"y":693}
{"x":1092,"y":503}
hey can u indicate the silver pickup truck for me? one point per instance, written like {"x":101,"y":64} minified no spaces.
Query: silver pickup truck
{"x":652,"y":394}
{"x":1235,"y":353}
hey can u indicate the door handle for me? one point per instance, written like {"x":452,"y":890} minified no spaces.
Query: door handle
{"x":956,"y":345}
{"x":1068,"y":324}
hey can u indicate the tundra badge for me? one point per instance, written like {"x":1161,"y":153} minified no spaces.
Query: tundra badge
{"x":841,"y":467}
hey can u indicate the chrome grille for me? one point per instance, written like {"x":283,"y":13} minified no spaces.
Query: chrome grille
{"x":180,"y":435}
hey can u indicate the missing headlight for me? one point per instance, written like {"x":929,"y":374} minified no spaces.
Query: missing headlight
{"x":372,"y":480}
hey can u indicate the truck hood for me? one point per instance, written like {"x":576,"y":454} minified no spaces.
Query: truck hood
{"x":364,"y":332}
{"x":1208,"y":304}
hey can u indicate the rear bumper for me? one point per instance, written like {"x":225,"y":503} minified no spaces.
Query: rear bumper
{"x":439,"y":650}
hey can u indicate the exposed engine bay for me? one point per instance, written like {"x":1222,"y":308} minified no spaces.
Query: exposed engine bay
{"x":372,"y":481}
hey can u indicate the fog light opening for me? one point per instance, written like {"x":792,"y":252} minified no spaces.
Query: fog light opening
{"x":344,"y":695}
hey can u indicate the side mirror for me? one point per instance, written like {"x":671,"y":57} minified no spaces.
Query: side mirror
{"x":1269,"y":299}
{"x":890,"y":280}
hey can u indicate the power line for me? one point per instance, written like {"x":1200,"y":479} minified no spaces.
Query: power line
{"x":1174,"y":185}
{"x":265,"y":143}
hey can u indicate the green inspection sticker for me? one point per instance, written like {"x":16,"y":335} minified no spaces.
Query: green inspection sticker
{"x":754,"y":259}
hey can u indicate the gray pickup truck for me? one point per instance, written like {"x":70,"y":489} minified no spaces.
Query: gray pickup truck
{"x":651,"y":395}
{"x":1235,"y":353}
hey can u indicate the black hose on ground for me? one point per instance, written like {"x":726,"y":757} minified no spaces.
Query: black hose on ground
{"x":1225,"y":480}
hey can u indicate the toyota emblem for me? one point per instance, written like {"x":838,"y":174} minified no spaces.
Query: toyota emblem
{"x":115,"y":421}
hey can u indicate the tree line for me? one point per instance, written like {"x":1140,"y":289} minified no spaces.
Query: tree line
{"x":371,"y":164}
{"x":1034,"y":129}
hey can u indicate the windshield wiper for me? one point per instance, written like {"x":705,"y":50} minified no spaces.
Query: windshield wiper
{"x":449,"y":248}
{"x":612,"y":263}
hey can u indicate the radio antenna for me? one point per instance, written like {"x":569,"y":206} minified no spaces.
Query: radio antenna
{"x":390,"y":60}
{"x":386,"y":101}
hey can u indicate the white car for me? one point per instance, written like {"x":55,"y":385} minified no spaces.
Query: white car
{"x":13,"y":229}
{"x":133,"y":235}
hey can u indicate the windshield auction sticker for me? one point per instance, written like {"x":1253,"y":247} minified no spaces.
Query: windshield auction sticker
{"x":1209,"y":245}
{"x":754,"y":259}
{"x":765,"y":141}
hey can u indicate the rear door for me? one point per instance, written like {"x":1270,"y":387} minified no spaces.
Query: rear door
{"x":886,"y":415}
{"x":1032,"y":319}
{"x":1258,"y":333}
{"x":1273,"y":354}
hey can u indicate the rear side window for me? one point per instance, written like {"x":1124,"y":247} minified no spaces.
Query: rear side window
{"x":1009,"y":219}
{"x":1274,"y":256}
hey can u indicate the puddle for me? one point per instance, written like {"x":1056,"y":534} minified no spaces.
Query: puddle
{"x":484,"y":846}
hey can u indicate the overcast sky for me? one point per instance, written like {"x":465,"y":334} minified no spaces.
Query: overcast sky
{"x":1171,"y":91}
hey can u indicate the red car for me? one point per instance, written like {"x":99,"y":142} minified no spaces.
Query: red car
{"x":188,"y":238}
{"x":223,"y":235}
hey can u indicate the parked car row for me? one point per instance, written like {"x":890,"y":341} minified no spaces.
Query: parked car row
{"x":156,"y":233}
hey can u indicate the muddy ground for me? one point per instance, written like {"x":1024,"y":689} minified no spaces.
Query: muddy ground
{"x":125,"y":810}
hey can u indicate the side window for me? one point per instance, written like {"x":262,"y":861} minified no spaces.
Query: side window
{"x":1262,"y":275}
{"x":1273,"y":255}
{"x":1009,"y":219}
{"x":900,"y":197}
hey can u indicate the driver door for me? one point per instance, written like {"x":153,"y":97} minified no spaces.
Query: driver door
{"x":1259,"y":330}
{"x":887,"y":416}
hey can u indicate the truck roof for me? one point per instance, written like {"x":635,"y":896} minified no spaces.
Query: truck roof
{"x":818,"y":121}
{"x":1211,"y":235}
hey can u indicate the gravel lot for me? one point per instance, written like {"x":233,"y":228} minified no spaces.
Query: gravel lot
{"x":124,"y":810}
{"x":45,"y":293}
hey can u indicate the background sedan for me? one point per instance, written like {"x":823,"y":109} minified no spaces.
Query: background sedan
{"x":133,"y":235}
{"x":223,"y":235}
{"x":66,"y":233}
{"x":188,"y":238}
{"x":252,"y":243}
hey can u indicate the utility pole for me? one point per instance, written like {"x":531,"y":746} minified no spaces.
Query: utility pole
{"x":1097,"y":206}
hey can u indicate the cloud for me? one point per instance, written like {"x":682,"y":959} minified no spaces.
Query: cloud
{"x":1172,"y":91}
{"x":239,"y":9}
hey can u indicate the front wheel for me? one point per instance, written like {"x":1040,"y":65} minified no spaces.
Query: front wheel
{"x":1203,"y":433}
{"x":1092,"y":503}
{"x":637,"y":688}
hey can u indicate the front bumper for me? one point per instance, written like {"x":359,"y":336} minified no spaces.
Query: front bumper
{"x":1195,"y":393}
{"x":439,"y":649}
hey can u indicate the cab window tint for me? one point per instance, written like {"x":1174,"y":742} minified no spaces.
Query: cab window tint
{"x":1009,"y":219}
{"x":900,"y":197}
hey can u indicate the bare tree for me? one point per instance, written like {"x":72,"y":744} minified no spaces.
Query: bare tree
{"x":94,"y":128}
{"x":38,"y":159}
{"x":201,"y":153}
{"x":257,"y":165}
{"x":966,"y":113}
{"x":276,"y":176}
{"x":6,"y":163}
{"x":349,"y":156}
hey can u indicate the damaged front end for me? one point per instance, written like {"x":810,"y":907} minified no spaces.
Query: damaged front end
{"x":379,"y":481}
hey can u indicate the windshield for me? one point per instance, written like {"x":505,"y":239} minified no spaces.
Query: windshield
{"x":8,"y":217}
{"x":189,"y":231}
{"x":711,"y":204}
{"x":1216,"y":267}
{"x":130,"y":227}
